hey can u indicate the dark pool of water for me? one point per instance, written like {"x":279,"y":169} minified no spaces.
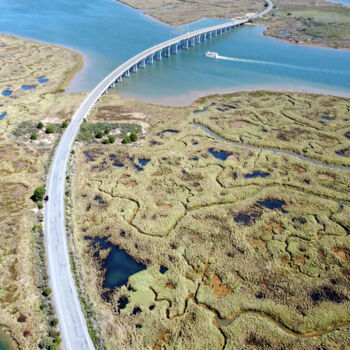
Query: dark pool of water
{"x":170,"y":131}
{"x":89,"y":156}
{"x":163,"y":269}
{"x":144,"y":162}
{"x":273,"y":204}
{"x":194,"y":158}
{"x":327,"y":293}
{"x":138,"y":168}
{"x":6,"y":92}
{"x":327,"y":118}
{"x":27,"y":87}
{"x":112,"y":156}
{"x":184,"y":172}
{"x":341,"y":152}
{"x":118,"y":265}
{"x":118,"y":165}
{"x":42,"y":79}
{"x":122,"y":302}
{"x":200,"y":110}
{"x":223,"y":155}
{"x":256,"y":174}
{"x":243,"y":218}
{"x":99,"y":200}
{"x":3,"y":115}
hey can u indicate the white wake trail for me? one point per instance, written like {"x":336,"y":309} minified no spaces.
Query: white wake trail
{"x":284,"y":65}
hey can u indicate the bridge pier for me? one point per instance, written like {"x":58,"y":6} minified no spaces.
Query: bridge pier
{"x":143,"y":64}
{"x":198,"y":39}
{"x":185,"y":44}
{"x":167,"y":52}
{"x":174,"y":49}
{"x":159,"y":55}
{"x":150,"y":59}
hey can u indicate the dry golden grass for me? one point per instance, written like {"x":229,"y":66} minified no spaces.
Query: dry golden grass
{"x":179,"y":12}
{"x":22,"y":168}
{"x":240,"y":274}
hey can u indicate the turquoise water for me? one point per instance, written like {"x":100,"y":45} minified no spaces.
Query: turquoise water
{"x":4,"y":343}
{"x":108,"y":33}
{"x":344,"y":2}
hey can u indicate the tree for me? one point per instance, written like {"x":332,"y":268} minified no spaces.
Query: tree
{"x":133,"y":137}
{"x":106,"y":141}
{"x":49,"y":129}
{"x":99,"y":134}
{"x":38,"y":194}
{"x":40,"y":125}
{"x":126,"y":139}
{"x":111,"y":138}
{"x":107,"y":131}
{"x":33,"y":136}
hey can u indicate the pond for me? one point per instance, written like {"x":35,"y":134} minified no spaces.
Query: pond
{"x":256,"y":174}
{"x":223,"y":155}
{"x":5,"y":343}
{"x":118,"y":265}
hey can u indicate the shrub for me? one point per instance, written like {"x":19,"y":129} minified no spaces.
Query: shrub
{"x":47,"y":291}
{"x":33,"y":136}
{"x":43,"y":306}
{"x":106,"y":141}
{"x":40,"y":205}
{"x":49,"y":129}
{"x":38,"y":194}
{"x":54,"y":322}
{"x":111,"y":138}
{"x":99,"y":134}
{"x":64,"y":124}
{"x":72,"y":151}
{"x":40,"y":125}
{"x":126,"y":139}
{"x":133,"y":137}
{"x":107,"y":131}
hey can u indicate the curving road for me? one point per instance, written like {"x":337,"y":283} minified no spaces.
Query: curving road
{"x":71,"y":319}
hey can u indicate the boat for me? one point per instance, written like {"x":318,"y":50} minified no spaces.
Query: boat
{"x":211,"y":54}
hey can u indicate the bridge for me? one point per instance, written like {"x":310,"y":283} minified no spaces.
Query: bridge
{"x":71,"y":319}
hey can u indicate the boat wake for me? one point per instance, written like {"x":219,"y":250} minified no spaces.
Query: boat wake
{"x":277,"y":64}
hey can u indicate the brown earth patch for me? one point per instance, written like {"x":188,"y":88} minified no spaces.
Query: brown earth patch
{"x":218,"y":288}
{"x":165,"y":206}
{"x":170,"y":285}
{"x":18,"y":190}
{"x":301,"y":260}
{"x":324,"y":177}
{"x":340,"y":253}
{"x":275,"y":227}
{"x":237,"y":123}
{"x":299,"y":169}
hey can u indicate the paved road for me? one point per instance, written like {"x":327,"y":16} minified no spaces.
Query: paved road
{"x":71,"y":319}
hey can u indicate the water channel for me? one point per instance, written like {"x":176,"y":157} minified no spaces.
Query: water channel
{"x":108,"y":33}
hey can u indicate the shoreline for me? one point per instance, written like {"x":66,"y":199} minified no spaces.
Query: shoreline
{"x":319,"y":46}
{"x":193,"y":96}
{"x":69,"y":76}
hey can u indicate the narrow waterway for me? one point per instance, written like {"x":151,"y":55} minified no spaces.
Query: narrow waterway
{"x":108,"y":33}
{"x":288,"y":153}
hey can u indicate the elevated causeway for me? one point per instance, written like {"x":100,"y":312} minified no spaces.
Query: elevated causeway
{"x":71,"y":319}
